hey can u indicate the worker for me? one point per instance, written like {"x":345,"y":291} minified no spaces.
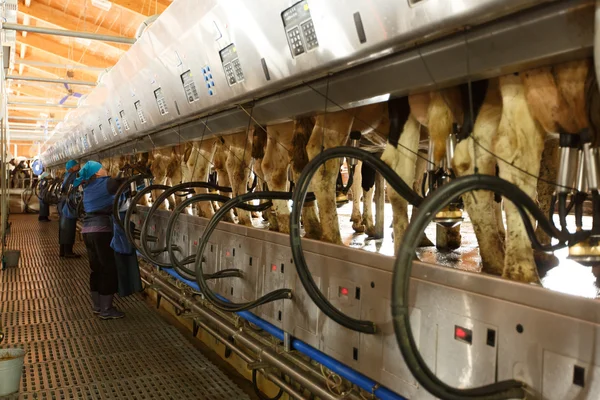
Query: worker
{"x":98,"y":195}
{"x":68,"y":214}
{"x":44,"y":187}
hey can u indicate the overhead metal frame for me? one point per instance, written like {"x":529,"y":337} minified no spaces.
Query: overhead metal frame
{"x":63,"y":32}
{"x":49,"y":80}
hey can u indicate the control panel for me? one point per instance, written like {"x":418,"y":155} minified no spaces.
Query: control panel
{"x":112,"y":127}
{"x":299,"y":28}
{"x":140,"y":112}
{"x":161,"y":102}
{"x":231,"y":65}
{"x":189,"y":87}
{"x":125,"y":123}
{"x":94,"y":136}
{"x":104,"y":137}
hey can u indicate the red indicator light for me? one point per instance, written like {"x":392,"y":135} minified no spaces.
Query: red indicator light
{"x":195,"y":243}
{"x":344,"y":291}
{"x":227,"y":254}
{"x":273,"y":267}
{"x":463,"y":334}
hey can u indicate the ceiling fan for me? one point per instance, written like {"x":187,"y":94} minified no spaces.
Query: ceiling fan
{"x":70,"y":91}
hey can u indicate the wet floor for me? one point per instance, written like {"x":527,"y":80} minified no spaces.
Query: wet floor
{"x":568,"y":277}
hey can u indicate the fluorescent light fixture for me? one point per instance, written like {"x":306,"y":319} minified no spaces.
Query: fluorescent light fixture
{"x":102,"y":4}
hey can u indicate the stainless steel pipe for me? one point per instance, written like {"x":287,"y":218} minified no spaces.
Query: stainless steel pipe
{"x":265,"y":353}
{"x":63,"y":32}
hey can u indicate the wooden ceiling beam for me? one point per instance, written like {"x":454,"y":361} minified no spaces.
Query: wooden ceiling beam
{"x":53,"y":48}
{"x":59,"y":19}
{"x":141,"y":7}
{"x":78,"y":74}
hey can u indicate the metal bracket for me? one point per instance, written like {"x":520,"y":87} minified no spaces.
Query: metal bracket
{"x":257,"y":365}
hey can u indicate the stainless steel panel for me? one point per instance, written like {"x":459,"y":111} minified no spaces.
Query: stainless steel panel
{"x":529,"y":322}
{"x":473,"y":364}
{"x":568,"y":378}
{"x":176,"y":42}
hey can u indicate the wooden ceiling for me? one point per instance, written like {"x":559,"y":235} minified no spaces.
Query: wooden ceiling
{"x":58,"y":57}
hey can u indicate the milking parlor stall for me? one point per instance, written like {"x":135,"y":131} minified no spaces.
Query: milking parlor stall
{"x":386,"y":199}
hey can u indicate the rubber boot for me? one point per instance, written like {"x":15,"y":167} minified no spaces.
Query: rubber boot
{"x":107,"y":311}
{"x":69,"y":252}
{"x":95,"y":302}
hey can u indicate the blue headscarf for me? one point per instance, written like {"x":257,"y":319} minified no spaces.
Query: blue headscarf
{"x":88,"y":170}
{"x":71,"y":164}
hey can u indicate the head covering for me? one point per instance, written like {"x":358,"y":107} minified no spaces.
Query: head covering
{"x":44,"y":175}
{"x":88,"y":170}
{"x":71,"y":164}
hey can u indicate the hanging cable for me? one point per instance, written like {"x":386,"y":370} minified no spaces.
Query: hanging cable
{"x":279,"y":294}
{"x":295,"y":241}
{"x":402,"y":272}
{"x":181,"y":190}
{"x":180,"y":265}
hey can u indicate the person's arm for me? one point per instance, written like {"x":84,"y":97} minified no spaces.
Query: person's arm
{"x":113,"y":184}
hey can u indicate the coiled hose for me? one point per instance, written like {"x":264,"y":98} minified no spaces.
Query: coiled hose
{"x":295,"y":241}
{"x":402,"y":272}
{"x":124,"y":188}
{"x":180,"y":265}
{"x":278,"y":294}
{"x":181,"y":190}
{"x":133,"y":235}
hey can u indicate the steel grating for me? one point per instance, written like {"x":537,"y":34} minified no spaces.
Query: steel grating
{"x":71,"y":354}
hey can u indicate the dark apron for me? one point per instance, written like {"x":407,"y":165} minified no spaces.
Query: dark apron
{"x":67,"y":229}
{"x":128,"y":270}
{"x":44,"y":209}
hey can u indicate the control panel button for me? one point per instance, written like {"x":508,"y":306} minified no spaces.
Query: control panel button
{"x":189,"y":86}
{"x":125,"y":122}
{"x":161,"y":102}
{"x":140,"y":112}
{"x":300,"y":29}
{"x":231,"y":65}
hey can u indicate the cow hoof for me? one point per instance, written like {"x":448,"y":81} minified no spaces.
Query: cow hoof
{"x":544,"y":262}
{"x":358,"y":227}
{"x":425,"y":242}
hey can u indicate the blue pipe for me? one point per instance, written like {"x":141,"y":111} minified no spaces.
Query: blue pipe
{"x":332,"y":364}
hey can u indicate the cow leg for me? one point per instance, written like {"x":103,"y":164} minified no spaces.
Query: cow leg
{"x":330,"y":130}
{"x":402,"y":159}
{"x":545,"y":189}
{"x":379,"y":207}
{"x":480,"y":205}
{"x":368,"y":187}
{"x":238,"y":170}
{"x":421,"y":169}
{"x":274,"y":167}
{"x":357,"y":192}
{"x":520,"y":142}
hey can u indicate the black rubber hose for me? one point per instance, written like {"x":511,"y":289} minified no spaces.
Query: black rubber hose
{"x":186,"y":188}
{"x":402,"y":272}
{"x":260,"y":394}
{"x":279,"y":294}
{"x":132,"y":208}
{"x":122,"y":189}
{"x":579,"y":200}
{"x":179,"y":265}
{"x":562,"y":210}
{"x":296,"y":244}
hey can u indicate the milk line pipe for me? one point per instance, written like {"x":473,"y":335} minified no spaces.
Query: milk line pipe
{"x":236,"y":349}
{"x":335,"y":366}
{"x":265,"y":353}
